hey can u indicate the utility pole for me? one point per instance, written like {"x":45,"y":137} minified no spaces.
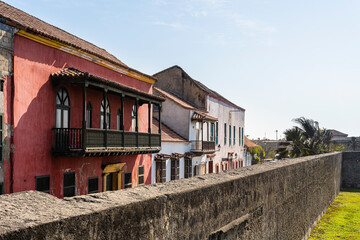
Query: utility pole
{"x":276,"y":135}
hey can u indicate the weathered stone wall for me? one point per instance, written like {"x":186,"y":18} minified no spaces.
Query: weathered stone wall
{"x":6,"y":70}
{"x":350,"y":172}
{"x":176,"y":81}
{"x":281,"y":200}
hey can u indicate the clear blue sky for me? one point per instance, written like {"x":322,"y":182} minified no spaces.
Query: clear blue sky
{"x":277,"y":59}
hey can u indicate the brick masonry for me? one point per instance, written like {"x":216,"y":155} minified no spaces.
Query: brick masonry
{"x":350,"y":172}
{"x":281,"y":200}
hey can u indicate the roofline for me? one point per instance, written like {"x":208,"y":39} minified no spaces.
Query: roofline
{"x":188,"y":108}
{"x":224,"y":100}
{"x":32,"y":34}
{"x":227,"y":102}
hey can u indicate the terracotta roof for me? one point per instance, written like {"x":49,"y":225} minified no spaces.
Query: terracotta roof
{"x":75,"y":76}
{"x":248,"y":143}
{"x":211,"y":92}
{"x":337,"y":133}
{"x":24,"y":21}
{"x":202,"y":116}
{"x":167,"y":134}
{"x":175,"y":99}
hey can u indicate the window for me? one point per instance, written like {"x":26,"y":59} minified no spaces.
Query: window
{"x":229,"y":135}
{"x":42,"y":183}
{"x":174,"y":169}
{"x":102,"y":114}
{"x":239,"y":136}
{"x":234,"y":135}
{"x":141,"y":175}
{"x":119,"y":120}
{"x":1,"y":188}
{"x":1,"y":88}
{"x":224,"y":133}
{"x":217,"y":133}
{"x":128,"y":180}
{"x":242,"y":136}
{"x":160,"y":171}
{"x":69,"y":184}
{"x":89,"y":115}
{"x":109,"y":182}
{"x":188,"y":167}
{"x":133,"y":118}
{"x":93,"y":185}
{"x":212,"y":132}
{"x":62,"y":109}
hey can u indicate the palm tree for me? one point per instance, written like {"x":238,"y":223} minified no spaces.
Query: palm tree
{"x":354,"y":143}
{"x":308,"y":138}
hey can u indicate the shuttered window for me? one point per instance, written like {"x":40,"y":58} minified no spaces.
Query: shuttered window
{"x":160,"y":171}
{"x":174,"y":169}
{"x":141,"y":175}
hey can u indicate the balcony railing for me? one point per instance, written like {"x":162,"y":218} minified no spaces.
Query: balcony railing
{"x":202,"y":146}
{"x":71,"y":140}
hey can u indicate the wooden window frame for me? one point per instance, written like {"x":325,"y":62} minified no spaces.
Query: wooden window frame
{"x":174,"y":168}
{"x":62,"y":107}
{"x":102,"y":113}
{"x":119,"y":120}
{"x":141,"y":175}
{"x":89,"y":115}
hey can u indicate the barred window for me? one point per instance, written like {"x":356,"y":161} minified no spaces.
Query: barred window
{"x":128,"y":180}
{"x":69,"y":184}
{"x":93,"y":185}
{"x":42,"y":183}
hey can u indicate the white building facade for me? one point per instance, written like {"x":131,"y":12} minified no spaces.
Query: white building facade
{"x":229,"y":134}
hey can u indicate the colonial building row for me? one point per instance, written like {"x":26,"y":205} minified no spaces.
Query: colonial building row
{"x":212,"y":126}
{"x":76,"y":120}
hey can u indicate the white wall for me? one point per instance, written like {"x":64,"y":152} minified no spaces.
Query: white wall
{"x":176,"y":117}
{"x":169,"y":148}
{"x":235,"y":118}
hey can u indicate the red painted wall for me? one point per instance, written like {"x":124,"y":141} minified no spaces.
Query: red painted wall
{"x":34,"y":118}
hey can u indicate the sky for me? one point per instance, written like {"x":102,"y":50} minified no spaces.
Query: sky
{"x":278,"y":59}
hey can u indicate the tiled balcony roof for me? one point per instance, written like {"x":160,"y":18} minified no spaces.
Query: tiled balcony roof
{"x":202,"y":116}
{"x":75,"y":76}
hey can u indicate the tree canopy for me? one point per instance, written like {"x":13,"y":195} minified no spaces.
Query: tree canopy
{"x":307,"y":138}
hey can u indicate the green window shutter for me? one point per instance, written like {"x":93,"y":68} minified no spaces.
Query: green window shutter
{"x":224,"y":133}
{"x":229,"y":135}
{"x":234,"y":135}
{"x":217,"y":133}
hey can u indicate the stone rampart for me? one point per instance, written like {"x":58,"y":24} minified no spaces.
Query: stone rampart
{"x":350,"y":172}
{"x":281,"y":200}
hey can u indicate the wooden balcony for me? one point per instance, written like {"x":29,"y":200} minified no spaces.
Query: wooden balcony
{"x":199,"y":146}
{"x":100,"y":142}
